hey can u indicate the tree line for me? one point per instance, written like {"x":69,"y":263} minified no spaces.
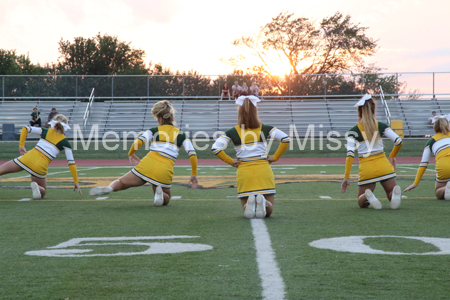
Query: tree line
{"x":318,"y":54}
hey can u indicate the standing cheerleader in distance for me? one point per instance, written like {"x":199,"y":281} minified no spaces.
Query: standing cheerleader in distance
{"x":254,"y":176}
{"x":36,"y":161}
{"x":373,"y":164}
{"x":439,"y":144}
{"x":157,"y":166}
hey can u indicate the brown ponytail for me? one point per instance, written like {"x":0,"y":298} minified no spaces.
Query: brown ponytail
{"x":441,"y":125}
{"x":248,"y":115}
{"x":366,"y":116}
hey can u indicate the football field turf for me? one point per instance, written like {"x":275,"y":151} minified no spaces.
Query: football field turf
{"x":318,"y":244}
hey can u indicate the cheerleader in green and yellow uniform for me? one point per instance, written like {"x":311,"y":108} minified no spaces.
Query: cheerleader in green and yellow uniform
{"x":157,"y":167}
{"x":374,"y":166}
{"x":36,"y":161}
{"x":439,"y":144}
{"x":254,"y":175}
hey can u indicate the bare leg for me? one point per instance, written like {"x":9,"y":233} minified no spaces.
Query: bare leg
{"x":42,"y":184}
{"x":388,"y":186}
{"x":244,"y":202}
{"x":166,"y":194}
{"x":9,"y":167}
{"x":270,"y":201}
{"x":126,"y":181}
{"x":440,"y":190}
{"x":362,"y":200}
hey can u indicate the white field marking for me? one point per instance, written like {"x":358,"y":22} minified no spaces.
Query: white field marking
{"x":403,"y":196}
{"x":325,"y":197}
{"x":221,"y":169}
{"x":25,"y":199}
{"x":61,"y":250}
{"x":403,"y":171}
{"x":323,"y":172}
{"x":282,"y":172}
{"x":53,"y":173}
{"x":271,"y":281}
{"x":176,"y":197}
{"x":81,"y":173}
{"x":101,"y":198}
{"x":431,"y":170}
{"x":355,"y":244}
{"x":231,"y":196}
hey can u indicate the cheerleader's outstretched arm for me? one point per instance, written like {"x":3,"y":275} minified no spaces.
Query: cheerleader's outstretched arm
{"x":190,"y":150}
{"x":422,"y":168}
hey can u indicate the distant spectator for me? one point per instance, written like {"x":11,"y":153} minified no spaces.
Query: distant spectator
{"x":225,"y":91}
{"x":244,"y":91}
{"x":236,"y":88}
{"x":51,"y":115}
{"x":433,"y":118}
{"x":35,"y":117}
{"x":254,"y":90}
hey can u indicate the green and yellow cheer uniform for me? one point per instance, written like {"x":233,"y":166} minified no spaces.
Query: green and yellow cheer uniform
{"x":373,"y":163}
{"x":36,"y":161}
{"x":254,"y":174}
{"x":157,"y":166}
{"x":439,"y":144}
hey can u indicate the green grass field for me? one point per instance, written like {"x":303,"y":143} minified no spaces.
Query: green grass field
{"x":211,"y":218}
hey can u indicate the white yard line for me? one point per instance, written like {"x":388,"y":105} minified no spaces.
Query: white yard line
{"x":26,"y":176}
{"x":271,"y":281}
{"x":431,"y":170}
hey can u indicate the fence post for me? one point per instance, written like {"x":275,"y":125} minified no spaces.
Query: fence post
{"x":148,"y":88}
{"x":396,"y":84}
{"x":76,"y":88}
{"x":39,"y":89}
{"x":289,"y":78}
{"x":112,"y":88}
{"x":3,"y":88}
{"x":183,"y":87}
{"x":325,"y":85}
{"x":434,"y":96}
{"x":362,"y":83}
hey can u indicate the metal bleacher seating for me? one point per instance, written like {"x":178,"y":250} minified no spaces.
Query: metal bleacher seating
{"x":213,"y":117}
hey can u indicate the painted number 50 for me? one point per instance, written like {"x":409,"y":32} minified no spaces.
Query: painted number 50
{"x":71,"y":248}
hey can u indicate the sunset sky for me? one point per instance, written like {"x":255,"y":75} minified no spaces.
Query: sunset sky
{"x":413,"y":34}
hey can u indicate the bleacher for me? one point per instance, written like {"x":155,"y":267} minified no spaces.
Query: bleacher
{"x":212,"y":116}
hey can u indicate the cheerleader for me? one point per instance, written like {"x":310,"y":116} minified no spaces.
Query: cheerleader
{"x":439,"y":144}
{"x":157,"y":166}
{"x":254,"y":176}
{"x":373,"y":164}
{"x":37,"y":160}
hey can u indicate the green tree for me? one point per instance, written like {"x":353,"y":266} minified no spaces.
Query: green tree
{"x":100,"y":55}
{"x":335,"y":45}
{"x":13,"y":64}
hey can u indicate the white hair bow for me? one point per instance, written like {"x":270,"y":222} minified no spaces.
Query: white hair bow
{"x":54,"y":122}
{"x":363,"y":100}
{"x":252,"y":98}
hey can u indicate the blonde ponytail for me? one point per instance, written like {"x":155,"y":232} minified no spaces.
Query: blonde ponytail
{"x":59,"y":128}
{"x":366,"y":116}
{"x":164,"y":110}
{"x":442,"y":126}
